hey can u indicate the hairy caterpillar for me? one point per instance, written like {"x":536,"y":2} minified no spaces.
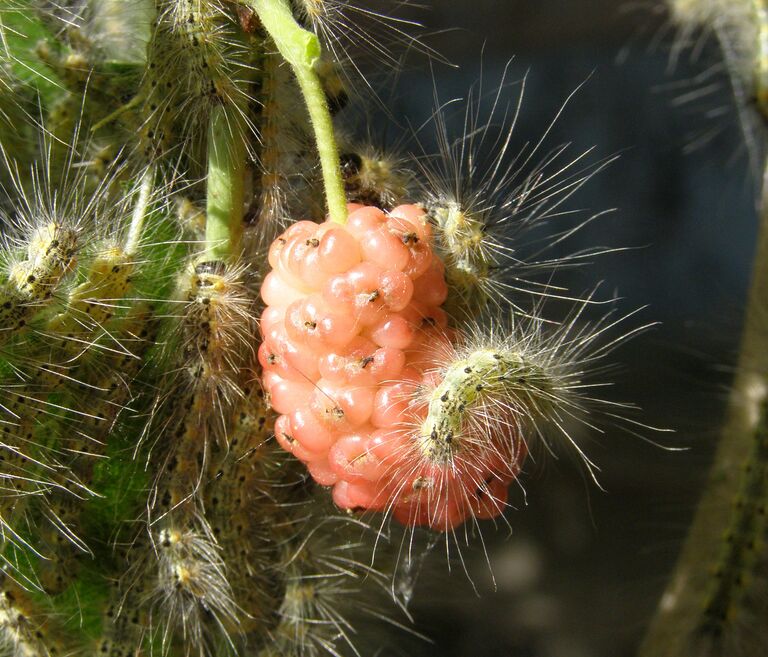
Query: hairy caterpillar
{"x":197,"y":59}
{"x":483,"y":196}
{"x":283,"y":146}
{"x":374,"y":178}
{"x":218,"y":327}
{"x":247,"y":518}
{"x":482,"y":405}
{"x":32,"y":282}
{"x":25,"y":628}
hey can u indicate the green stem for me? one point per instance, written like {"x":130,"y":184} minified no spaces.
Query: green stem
{"x":225,"y":183}
{"x":301,"y":49}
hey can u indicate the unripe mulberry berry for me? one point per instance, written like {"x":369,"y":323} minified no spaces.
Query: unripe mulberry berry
{"x":350,"y":331}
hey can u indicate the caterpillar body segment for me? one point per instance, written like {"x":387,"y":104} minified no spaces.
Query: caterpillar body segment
{"x":192,"y":596}
{"x":286,"y":181}
{"x":325,"y":568}
{"x":180,"y":479}
{"x":126,"y":620}
{"x":207,"y":349}
{"x":32,"y":282}
{"x":374,"y":178}
{"x":469,"y":256}
{"x":280,"y":144}
{"x":485,"y":197}
{"x":58,"y":539}
{"x":50,"y":256}
{"x":92,"y":303}
{"x":217,"y":332}
{"x":25,"y":627}
{"x":84,"y":324}
{"x":198,"y":58}
{"x":482,"y":379}
{"x":248,"y":504}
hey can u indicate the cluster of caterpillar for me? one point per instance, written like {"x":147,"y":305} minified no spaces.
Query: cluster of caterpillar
{"x":155,"y":467}
{"x":76,"y":352}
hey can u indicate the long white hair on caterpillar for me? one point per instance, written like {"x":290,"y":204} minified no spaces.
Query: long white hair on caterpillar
{"x":498,"y":208}
{"x":352,"y":32}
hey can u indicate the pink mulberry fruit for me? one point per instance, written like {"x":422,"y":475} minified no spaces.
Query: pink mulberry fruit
{"x":350,"y":330}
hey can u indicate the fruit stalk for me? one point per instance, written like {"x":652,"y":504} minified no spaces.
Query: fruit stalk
{"x":301,"y":49}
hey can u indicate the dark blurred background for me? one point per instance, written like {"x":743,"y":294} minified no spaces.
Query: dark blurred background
{"x":582,"y":568}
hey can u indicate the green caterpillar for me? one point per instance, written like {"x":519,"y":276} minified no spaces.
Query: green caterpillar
{"x":521,"y":390}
